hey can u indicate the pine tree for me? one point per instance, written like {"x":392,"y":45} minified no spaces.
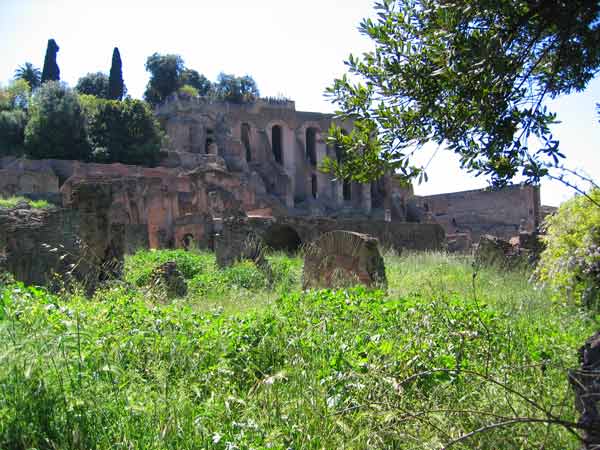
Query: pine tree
{"x":51,"y":72}
{"x":116,"y":86}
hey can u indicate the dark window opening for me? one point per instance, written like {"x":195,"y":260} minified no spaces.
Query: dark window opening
{"x":276,"y":139}
{"x":347,"y":190}
{"x":246,"y":141}
{"x":378,"y":193}
{"x":209,"y":141}
{"x":311,"y":146}
{"x":313,"y":180}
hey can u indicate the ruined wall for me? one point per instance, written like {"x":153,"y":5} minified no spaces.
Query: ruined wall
{"x":277,"y":147}
{"x":289,"y":233}
{"x":500,"y":213}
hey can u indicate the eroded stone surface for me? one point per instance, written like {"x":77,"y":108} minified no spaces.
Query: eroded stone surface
{"x":343,"y":258}
{"x":586,"y":384}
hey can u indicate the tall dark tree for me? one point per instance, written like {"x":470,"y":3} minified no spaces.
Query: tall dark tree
{"x":29,"y":73}
{"x":470,"y":75}
{"x":116,"y":86}
{"x":51,"y":72}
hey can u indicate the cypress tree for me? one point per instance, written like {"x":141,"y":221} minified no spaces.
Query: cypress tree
{"x":115,"y":79}
{"x":51,"y":72}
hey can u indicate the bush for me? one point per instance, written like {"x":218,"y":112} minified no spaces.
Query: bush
{"x":56,"y":128}
{"x":123,"y":131}
{"x":12,"y":131}
{"x":571,"y":262}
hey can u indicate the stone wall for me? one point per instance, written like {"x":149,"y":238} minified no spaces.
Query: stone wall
{"x":501,"y":213}
{"x":289,"y":233}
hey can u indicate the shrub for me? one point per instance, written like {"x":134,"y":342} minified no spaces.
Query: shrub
{"x":56,"y":128}
{"x":123,"y":131}
{"x":187,"y":91}
{"x":571,"y":262}
{"x":12,"y":131}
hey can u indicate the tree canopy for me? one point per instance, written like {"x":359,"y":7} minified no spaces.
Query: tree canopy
{"x":51,"y":72}
{"x":57,"y":126}
{"x":470,"y":75}
{"x":236,"y":89}
{"x":95,"y":84}
{"x":29,"y":73}
{"x":165,"y":77}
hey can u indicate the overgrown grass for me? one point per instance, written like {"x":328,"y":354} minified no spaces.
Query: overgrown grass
{"x":244,"y":362}
{"x":11,"y":202}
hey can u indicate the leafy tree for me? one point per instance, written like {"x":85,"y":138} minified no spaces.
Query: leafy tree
{"x":116,"y":86}
{"x":95,"y":84}
{"x":56,"y":128}
{"x":471,"y":75}
{"x":124,"y":131}
{"x":15,"y":96}
{"x":51,"y":72}
{"x":165,"y":77}
{"x":236,"y":89}
{"x":198,"y":81}
{"x":14,"y":102}
{"x":29,"y":73}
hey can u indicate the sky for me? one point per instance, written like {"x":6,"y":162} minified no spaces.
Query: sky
{"x":294,"y":49}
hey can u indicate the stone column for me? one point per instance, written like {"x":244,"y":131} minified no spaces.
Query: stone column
{"x":323,"y":179}
{"x":289,"y":158}
{"x":366,"y":198}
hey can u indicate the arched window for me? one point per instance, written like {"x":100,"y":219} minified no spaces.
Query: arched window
{"x":246,"y":141}
{"x":311,"y":146}
{"x":277,"y":143}
{"x":313,"y":180}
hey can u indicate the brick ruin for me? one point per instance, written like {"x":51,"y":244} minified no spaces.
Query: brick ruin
{"x":235,"y":169}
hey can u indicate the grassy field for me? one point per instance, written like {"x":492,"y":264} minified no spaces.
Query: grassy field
{"x":245,"y":363}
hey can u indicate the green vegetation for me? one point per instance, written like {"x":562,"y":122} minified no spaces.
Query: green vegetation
{"x":470,"y":75}
{"x":11,"y":202}
{"x":29,"y":73}
{"x":124,"y":131}
{"x":57,"y":124}
{"x":244,"y":363}
{"x":168,"y":75}
{"x":571,"y":262}
{"x":95,"y":84}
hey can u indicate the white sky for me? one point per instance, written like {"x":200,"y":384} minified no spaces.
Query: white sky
{"x":290,"y":48}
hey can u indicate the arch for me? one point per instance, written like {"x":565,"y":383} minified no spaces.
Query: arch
{"x":277,"y":143}
{"x":311,"y":145}
{"x":282,"y":237}
{"x":245,"y":137}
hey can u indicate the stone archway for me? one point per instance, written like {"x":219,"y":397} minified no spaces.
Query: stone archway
{"x":282,"y":237}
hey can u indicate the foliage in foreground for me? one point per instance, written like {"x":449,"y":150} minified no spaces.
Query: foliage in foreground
{"x":471,"y":75}
{"x":571,"y":262}
{"x":348,"y":369}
